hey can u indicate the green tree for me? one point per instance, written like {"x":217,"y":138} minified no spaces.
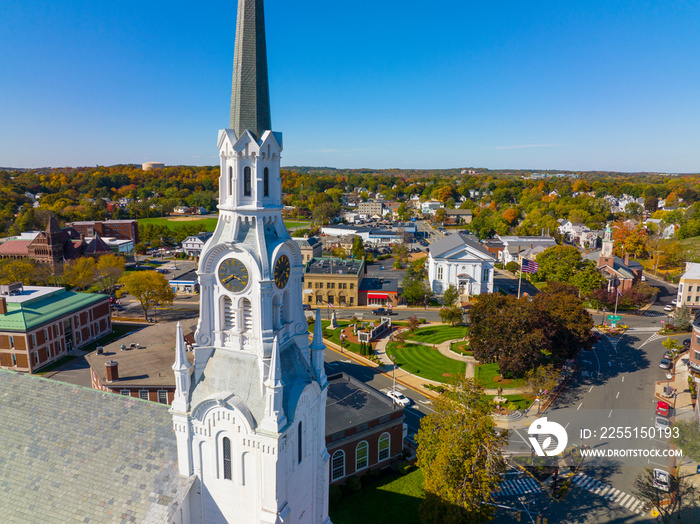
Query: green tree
{"x":587,"y":278}
{"x":412,"y":323}
{"x":415,"y":289}
{"x":682,"y":318}
{"x":558,"y":263}
{"x":451,"y":295}
{"x":21,"y":270}
{"x":542,"y":378}
{"x":80,"y":272}
{"x":148,"y":287}
{"x":358,"y":248}
{"x":513,"y":267}
{"x":451,"y":315}
{"x":688,"y":438}
{"x":460,"y":454}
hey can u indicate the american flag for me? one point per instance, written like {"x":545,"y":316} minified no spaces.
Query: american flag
{"x":529,"y":266}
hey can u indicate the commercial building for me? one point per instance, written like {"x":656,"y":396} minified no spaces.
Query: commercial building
{"x":371,"y":208}
{"x":379,"y":292}
{"x":335,"y":282}
{"x":39,"y":325}
{"x":689,"y":287}
{"x":364,"y":428}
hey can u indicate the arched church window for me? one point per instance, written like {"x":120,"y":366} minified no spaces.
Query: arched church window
{"x":247,"y":315}
{"x":266,"y":182}
{"x":226,"y":445}
{"x":300,"y":446}
{"x":229,"y":314}
{"x":247,"y":184}
{"x":338,"y":465}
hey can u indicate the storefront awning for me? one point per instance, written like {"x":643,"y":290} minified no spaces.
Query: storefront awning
{"x":377,"y":295}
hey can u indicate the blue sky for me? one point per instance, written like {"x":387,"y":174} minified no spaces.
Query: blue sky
{"x":606,"y":85}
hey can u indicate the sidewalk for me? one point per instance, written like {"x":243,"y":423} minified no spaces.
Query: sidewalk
{"x":682,"y":410}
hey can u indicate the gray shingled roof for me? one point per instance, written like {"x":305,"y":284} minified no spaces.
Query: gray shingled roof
{"x":73,"y":454}
{"x":450,"y":242}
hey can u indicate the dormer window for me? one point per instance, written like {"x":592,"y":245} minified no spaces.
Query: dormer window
{"x":247,"y":185}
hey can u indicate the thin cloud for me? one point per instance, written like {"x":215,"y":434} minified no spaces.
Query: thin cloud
{"x":526,"y":146}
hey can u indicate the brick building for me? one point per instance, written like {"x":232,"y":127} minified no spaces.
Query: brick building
{"x":119,"y":229}
{"x":39,"y":325}
{"x":364,"y":428}
{"x":142,"y":369}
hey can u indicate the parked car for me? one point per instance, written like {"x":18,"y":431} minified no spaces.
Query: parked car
{"x":662,"y":480}
{"x":686,"y":343}
{"x":665,"y":363}
{"x":662,"y":408}
{"x":668,"y":307}
{"x":674,"y":302}
{"x":399,"y":398}
{"x":668,"y":355}
{"x":661,"y":423}
{"x":306,"y":307}
{"x":644,"y":279}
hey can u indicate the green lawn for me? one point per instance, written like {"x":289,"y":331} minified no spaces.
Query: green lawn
{"x":393,"y":499}
{"x":485,"y":374}
{"x":461,"y":348}
{"x":437,"y":334}
{"x":334,"y":334}
{"x":519,"y":401}
{"x":204,"y":224}
{"x":291,"y":224}
{"x":425,"y":361}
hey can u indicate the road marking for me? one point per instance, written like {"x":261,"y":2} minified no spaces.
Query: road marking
{"x":522,"y":438}
{"x":590,"y":389}
{"x":610,"y":413}
{"x":623,"y":378}
{"x":567,"y":425}
{"x":618,"y":394}
{"x":579,"y":406}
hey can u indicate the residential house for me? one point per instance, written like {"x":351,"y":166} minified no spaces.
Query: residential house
{"x":194,"y":244}
{"x":514,"y":245}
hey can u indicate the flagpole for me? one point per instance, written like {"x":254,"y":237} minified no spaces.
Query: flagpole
{"x":617,"y":294}
{"x":520,"y":278}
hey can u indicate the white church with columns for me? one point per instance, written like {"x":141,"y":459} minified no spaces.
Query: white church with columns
{"x":250,"y":417}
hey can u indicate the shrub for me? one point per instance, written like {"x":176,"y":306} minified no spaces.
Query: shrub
{"x":354,"y":484}
{"x":403,"y":468}
{"x":335,"y":494}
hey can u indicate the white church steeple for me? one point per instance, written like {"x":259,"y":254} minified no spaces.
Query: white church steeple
{"x":251,"y":425}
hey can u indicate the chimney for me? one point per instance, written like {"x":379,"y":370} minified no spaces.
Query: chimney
{"x":112,"y":369}
{"x":627,"y":259}
{"x":3,"y":306}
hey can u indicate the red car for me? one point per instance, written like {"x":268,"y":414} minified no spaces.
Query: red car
{"x":662,"y":408}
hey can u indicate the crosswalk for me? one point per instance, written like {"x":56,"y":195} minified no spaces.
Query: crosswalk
{"x":644,"y":329}
{"x":609,"y":493}
{"x":654,"y":314}
{"x":514,"y":487}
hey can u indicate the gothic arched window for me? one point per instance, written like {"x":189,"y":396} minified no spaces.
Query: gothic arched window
{"x":230,"y":179}
{"x":266,"y":182}
{"x":247,"y":184}
{"x":226,"y":445}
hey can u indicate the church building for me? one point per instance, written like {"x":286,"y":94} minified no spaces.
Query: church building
{"x":244,"y":439}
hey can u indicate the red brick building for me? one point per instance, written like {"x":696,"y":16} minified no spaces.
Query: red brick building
{"x":364,"y":428}
{"x":39,"y":325}
{"x":119,"y":229}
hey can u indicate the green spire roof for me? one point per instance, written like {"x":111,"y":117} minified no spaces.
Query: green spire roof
{"x":250,"y":94}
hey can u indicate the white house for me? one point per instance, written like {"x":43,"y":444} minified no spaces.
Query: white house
{"x":429,"y":207}
{"x":193,"y":245}
{"x":514,"y":246}
{"x":455,"y":260}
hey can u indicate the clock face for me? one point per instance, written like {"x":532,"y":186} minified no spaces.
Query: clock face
{"x":233,"y":275}
{"x":282,"y":269}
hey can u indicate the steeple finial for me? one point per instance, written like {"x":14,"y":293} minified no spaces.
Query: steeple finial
{"x":250,"y":94}
{"x":274,"y":419}
{"x":182,"y":367}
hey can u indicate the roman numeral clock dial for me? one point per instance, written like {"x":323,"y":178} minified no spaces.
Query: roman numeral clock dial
{"x":233,"y":275}
{"x":282,"y":269}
